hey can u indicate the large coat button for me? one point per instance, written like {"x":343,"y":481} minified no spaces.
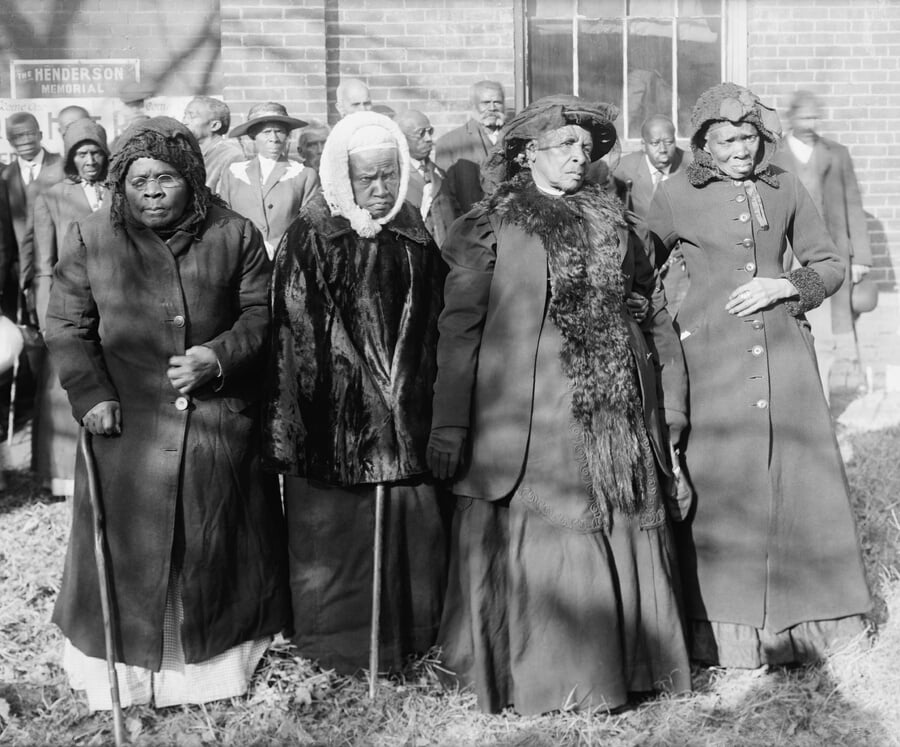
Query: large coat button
{"x":740,"y":198}
{"x":748,"y":242}
{"x":757,"y":350}
{"x":762,"y":404}
{"x":757,"y":324}
{"x":744,"y":217}
{"x":750,"y":266}
{"x":178,"y":321}
{"x":181,"y":403}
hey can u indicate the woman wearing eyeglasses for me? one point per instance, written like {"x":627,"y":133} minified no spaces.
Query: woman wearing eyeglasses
{"x":157,"y":320}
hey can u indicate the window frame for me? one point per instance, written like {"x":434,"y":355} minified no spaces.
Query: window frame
{"x":734,"y":53}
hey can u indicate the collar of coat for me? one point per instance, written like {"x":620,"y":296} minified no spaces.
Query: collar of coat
{"x":407,"y":223}
{"x":702,"y":170}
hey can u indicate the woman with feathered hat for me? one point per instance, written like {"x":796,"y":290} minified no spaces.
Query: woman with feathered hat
{"x":772,"y":566}
{"x":547,"y":418}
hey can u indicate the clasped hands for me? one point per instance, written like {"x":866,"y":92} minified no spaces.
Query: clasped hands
{"x":186,"y":373}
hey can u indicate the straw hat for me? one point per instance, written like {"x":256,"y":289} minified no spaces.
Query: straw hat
{"x":267,"y":112}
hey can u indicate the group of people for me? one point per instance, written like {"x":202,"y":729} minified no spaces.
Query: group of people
{"x":483,"y":341}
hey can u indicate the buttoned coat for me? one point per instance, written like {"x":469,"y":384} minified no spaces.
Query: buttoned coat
{"x":460,"y":153}
{"x":772,"y":541}
{"x":843,"y":213}
{"x":634,"y":168}
{"x":181,"y":484}
{"x":21,"y":200}
{"x":272,"y":205}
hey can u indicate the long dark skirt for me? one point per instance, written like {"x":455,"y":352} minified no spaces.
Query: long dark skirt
{"x":331,"y":534}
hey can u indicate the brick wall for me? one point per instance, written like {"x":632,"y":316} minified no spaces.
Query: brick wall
{"x":849,"y":54}
{"x":421,"y":54}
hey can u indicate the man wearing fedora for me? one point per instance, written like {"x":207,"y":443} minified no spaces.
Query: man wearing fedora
{"x":269,"y":189}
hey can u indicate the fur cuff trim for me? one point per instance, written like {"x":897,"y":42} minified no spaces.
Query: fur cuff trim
{"x":810,"y":287}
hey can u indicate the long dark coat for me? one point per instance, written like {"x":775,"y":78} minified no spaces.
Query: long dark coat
{"x":181,"y":484}
{"x":335,"y":412}
{"x":772,"y":542}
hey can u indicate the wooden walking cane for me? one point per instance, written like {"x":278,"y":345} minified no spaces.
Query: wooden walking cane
{"x":84,"y":445}
{"x":375,"y":634}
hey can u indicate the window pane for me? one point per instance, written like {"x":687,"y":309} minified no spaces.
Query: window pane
{"x":601,"y":8}
{"x":699,"y":8}
{"x":651,"y":8}
{"x":699,"y":64}
{"x":600,"y":61}
{"x":649,"y":72}
{"x":550,"y":57}
{"x":550,"y":8}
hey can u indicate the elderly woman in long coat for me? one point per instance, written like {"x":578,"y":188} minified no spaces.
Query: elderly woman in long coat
{"x":82,"y":192}
{"x":157,"y":322}
{"x":548,"y":418}
{"x":771,"y":562}
{"x":356,"y":294}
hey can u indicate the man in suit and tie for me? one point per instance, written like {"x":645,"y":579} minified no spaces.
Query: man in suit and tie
{"x":461,"y":152}
{"x":426,"y":188}
{"x":636,"y":178}
{"x":34,"y":169}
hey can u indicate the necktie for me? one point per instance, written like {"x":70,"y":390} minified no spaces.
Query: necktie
{"x":425,"y":171}
{"x":29,"y":173}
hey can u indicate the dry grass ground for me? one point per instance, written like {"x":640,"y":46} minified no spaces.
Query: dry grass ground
{"x":853,"y":699}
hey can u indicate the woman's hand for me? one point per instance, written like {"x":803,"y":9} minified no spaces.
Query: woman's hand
{"x":197,"y":366}
{"x":444,"y":452}
{"x":104,"y":419}
{"x":758,"y":294}
{"x":638,"y":305}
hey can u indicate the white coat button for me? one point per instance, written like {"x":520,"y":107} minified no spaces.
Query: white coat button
{"x":762,"y":404}
{"x":178,"y":321}
{"x":756,"y":324}
{"x":181,"y":403}
{"x":744,"y":217}
{"x":757,"y":350}
{"x":740,"y":198}
{"x":748,"y":243}
{"x":750,"y":266}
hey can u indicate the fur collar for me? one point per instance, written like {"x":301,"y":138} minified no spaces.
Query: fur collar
{"x":579,"y":234}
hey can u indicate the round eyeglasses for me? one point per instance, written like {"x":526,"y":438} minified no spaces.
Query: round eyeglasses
{"x":165,"y":181}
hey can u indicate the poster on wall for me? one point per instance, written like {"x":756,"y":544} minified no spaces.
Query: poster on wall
{"x":44,"y":87}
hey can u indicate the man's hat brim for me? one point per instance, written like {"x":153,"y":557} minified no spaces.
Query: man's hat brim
{"x":242,"y":129}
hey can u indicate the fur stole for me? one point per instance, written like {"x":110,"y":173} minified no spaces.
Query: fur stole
{"x":579,"y":234}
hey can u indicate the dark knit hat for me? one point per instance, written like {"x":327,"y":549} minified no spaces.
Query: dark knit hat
{"x":163,"y":139}
{"x":78,"y":132}
{"x":729,"y":102}
{"x":544,"y":115}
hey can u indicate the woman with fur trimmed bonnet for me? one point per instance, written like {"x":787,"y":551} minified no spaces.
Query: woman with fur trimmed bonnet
{"x":771,"y":562}
{"x":547,"y":419}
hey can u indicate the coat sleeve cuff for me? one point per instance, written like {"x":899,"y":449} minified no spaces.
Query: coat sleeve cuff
{"x":810,"y":287}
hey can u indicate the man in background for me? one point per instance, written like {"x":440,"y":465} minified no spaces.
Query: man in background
{"x":208,"y":119}
{"x":310,"y":143}
{"x":426,"y":181}
{"x":352,"y":96}
{"x":826,"y":170}
{"x":461,"y":152}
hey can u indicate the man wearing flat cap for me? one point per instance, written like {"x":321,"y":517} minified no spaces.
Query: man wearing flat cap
{"x":356,"y":293}
{"x":269,"y":189}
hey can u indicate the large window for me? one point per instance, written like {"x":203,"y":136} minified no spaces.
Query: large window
{"x":646,"y":56}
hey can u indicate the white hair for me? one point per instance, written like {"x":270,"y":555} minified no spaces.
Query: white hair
{"x":334,"y":171}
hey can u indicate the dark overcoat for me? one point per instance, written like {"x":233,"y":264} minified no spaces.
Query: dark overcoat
{"x":335,"y":412}
{"x":460,"y":154}
{"x":843,"y":212}
{"x":495,"y":307}
{"x":772,"y":541}
{"x":182,"y":484}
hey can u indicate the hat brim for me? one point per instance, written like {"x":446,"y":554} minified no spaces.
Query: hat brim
{"x":242,"y":129}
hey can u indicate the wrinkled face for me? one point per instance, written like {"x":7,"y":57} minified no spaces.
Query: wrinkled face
{"x":90,"y":161}
{"x":733,"y":148}
{"x":419,"y":135}
{"x":355,"y":97}
{"x":25,"y":139}
{"x":153,"y":204}
{"x":490,"y":107}
{"x":375,"y":177}
{"x":559,"y":159}
{"x":270,"y":139}
{"x":659,"y":144}
{"x":199,"y":120}
{"x":805,"y":121}
{"x":310,"y":148}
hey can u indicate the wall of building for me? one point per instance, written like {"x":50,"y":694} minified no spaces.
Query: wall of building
{"x":849,"y":54}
